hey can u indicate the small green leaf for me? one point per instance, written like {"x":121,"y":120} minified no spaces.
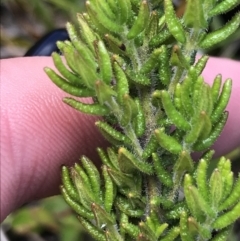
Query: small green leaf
{"x":64,"y":71}
{"x":193,"y":226}
{"x":92,"y":109}
{"x":178,"y":58}
{"x":85,"y":192}
{"x":198,"y":125}
{"x":172,"y":234}
{"x":185,"y":96}
{"x":223,"y":7}
{"x":173,"y":23}
{"x":233,"y":197}
{"x":194,"y":15}
{"x":184,"y":230}
{"x":86,"y":32}
{"x":201,"y":178}
{"x":124,"y":8}
{"x":177,"y":99}
{"x":88,"y":74}
{"x":228,"y":184}
{"x":217,"y":129}
{"x":113,"y":157}
{"x":130,"y":229}
{"x":93,"y":175}
{"x":104,"y":63}
{"x":150,"y":147}
{"x":95,"y":232}
{"x":190,"y":200}
{"x":200,"y":202}
{"x":172,"y":113}
{"x":140,"y":165}
{"x":200,"y":65}
{"x":161,"y":229}
{"x":160,"y":38}
{"x":78,"y":208}
{"x":101,"y":216}
{"x":139,"y":121}
{"x":105,"y":8}
{"x":140,"y":22}
{"x":122,"y":180}
{"x":138,"y":78}
{"x":66,"y":86}
{"x":125,"y":206}
{"x":104,"y":92}
{"x":221,"y":34}
{"x":183,"y":164}
{"x":222,"y":235}
{"x":156,"y":98}
{"x":104,"y":158}
{"x":129,"y":110}
{"x":216,"y":188}
{"x":227,"y":218}
{"x":152,"y":28}
{"x":197,"y":91}
{"x":168,"y":142}
{"x":163,"y":175}
{"x":216,"y":88}
{"x":83,"y":175}
{"x":223,"y":101}
{"x":81,"y":48}
{"x":121,"y":82}
{"x":164,"y":70}
{"x":68,"y":184}
{"x":151,"y":62}
{"x":112,"y":134}
{"x":99,"y":17}
{"x":146,"y":232}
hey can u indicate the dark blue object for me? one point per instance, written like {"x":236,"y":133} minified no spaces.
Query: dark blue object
{"x":46,"y":45}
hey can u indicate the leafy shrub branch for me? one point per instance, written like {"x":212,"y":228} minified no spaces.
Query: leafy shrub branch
{"x":136,"y":60}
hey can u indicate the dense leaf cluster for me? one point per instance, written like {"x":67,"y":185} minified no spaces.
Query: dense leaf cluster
{"x":136,"y":60}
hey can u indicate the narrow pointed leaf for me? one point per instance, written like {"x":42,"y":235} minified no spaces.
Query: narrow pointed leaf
{"x":201,"y":178}
{"x":194,"y":15}
{"x":173,"y":23}
{"x":140,"y":165}
{"x":172,"y":113}
{"x":227,"y":218}
{"x":104,"y":63}
{"x":68,"y":184}
{"x":163,"y":175}
{"x":78,"y":208}
{"x":100,"y":17}
{"x":92,"y":109}
{"x":233,"y":197}
{"x":68,"y":87}
{"x":95,"y":232}
{"x":140,"y":22}
{"x":216,"y":131}
{"x":168,"y":142}
{"x":223,"y":7}
{"x":221,"y":34}
{"x":223,"y":100}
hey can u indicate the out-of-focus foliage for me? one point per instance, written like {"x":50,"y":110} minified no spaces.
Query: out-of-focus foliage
{"x":48,"y":219}
{"x":24,"y":22}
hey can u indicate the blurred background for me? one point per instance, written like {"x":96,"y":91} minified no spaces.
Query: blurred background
{"x":25,"y":22}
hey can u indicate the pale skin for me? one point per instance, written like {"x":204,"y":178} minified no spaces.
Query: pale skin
{"x":39,"y":133}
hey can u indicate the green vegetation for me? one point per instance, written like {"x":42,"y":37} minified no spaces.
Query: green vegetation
{"x":136,"y":60}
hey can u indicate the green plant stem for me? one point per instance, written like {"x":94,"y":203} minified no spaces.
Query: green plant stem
{"x":129,"y":132}
{"x":179,"y":71}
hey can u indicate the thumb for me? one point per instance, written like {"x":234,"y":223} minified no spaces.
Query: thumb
{"x":39,"y":132}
